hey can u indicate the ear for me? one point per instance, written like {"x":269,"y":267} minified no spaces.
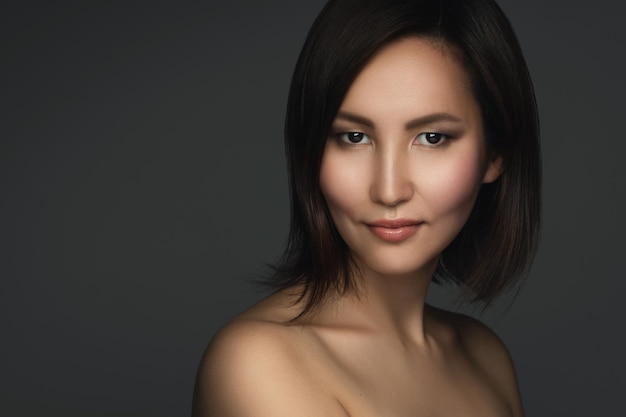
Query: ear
{"x":494,"y":169}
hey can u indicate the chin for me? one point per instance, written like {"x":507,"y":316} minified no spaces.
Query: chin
{"x":399,"y":268}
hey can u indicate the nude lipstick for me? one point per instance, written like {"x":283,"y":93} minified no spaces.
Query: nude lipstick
{"x":394,"y":231}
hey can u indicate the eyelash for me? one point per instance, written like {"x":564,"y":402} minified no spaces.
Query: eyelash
{"x":345,"y":138}
{"x":427,"y":135}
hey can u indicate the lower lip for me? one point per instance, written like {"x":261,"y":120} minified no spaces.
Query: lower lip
{"x":394,"y":234}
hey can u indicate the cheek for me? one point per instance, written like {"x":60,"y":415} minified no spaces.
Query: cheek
{"x":341,"y":182}
{"x":336,"y":184}
{"x":451,"y":188}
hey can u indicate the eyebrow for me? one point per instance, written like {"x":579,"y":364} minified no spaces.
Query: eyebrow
{"x":411,"y":124}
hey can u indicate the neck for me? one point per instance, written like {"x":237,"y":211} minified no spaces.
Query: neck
{"x":387,"y":303}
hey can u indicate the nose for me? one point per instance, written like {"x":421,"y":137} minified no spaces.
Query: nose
{"x":391,"y":184}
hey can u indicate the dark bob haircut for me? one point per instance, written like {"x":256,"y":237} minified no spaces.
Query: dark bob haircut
{"x":496,"y":246}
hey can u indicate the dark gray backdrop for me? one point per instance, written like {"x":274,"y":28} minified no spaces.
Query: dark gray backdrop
{"x":142,"y":182}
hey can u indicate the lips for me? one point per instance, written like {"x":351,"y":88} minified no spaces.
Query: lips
{"x":394,"y":231}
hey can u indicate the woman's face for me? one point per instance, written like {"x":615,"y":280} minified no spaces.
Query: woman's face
{"x":405,"y":158}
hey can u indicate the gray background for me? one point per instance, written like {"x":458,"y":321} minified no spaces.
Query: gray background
{"x":142,"y":183}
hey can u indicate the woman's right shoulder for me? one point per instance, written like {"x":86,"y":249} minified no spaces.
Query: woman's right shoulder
{"x":265,"y":327}
{"x":246,"y":339}
{"x":256,"y":366}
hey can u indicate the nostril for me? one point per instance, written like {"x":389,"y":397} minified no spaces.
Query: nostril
{"x":391,"y":190}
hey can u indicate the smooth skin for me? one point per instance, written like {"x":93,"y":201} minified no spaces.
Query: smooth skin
{"x":407,"y":143}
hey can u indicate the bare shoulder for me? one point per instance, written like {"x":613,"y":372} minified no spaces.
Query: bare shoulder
{"x":243,"y":359}
{"x":487,"y":352}
{"x":257,"y":366}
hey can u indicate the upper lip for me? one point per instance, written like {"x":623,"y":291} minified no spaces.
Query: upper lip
{"x":394,"y":223}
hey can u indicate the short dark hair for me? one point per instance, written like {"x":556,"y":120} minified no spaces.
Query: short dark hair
{"x":498,"y":242}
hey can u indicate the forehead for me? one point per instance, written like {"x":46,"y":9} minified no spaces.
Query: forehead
{"x":411,"y":77}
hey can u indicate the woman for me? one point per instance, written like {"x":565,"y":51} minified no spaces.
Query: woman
{"x":413,"y":156}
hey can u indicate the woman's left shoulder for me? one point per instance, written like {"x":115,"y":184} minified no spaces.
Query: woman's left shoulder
{"x":480,"y":342}
{"x":485,"y":350}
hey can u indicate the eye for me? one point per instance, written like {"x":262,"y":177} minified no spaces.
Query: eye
{"x":431,"y":138}
{"x":354,"y":138}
